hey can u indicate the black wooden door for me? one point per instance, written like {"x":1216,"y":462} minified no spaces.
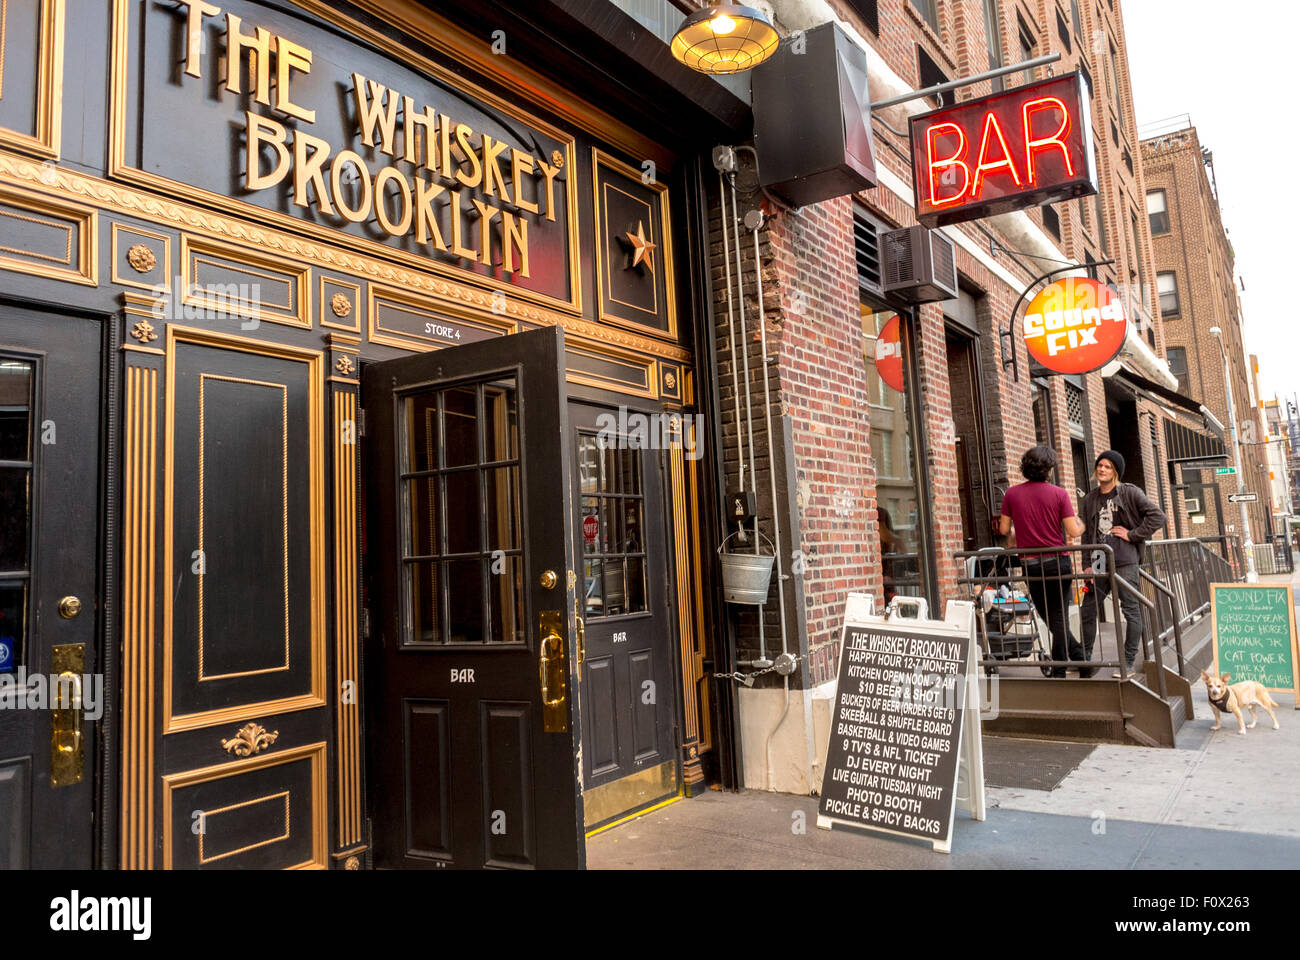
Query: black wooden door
{"x":49,"y":522}
{"x":472,"y":717}
{"x":628,"y":694}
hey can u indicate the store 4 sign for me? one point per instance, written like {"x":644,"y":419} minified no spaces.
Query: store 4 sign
{"x":1026,"y":147}
{"x":1075,"y":325}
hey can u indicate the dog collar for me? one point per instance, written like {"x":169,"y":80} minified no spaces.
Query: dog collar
{"x":1222,"y":704}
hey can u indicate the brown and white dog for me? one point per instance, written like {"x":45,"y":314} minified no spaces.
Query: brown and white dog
{"x":1230,"y":699}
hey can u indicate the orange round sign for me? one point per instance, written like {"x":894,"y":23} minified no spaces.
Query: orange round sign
{"x":1075,"y":325}
{"x":889,"y":355}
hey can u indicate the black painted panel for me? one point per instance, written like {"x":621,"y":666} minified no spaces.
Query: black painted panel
{"x":508,"y":826}
{"x":644,"y":702}
{"x":600,"y":736}
{"x":15,"y":827}
{"x":19,"y":64}
{"x":427,"y":743}
{"x":256,"y":820}
{"x":248,"y":443}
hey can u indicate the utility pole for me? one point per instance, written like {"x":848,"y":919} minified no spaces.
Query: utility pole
{"x":1251,"y":575}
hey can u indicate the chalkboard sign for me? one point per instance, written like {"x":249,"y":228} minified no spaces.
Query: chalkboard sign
{"x":1255,"y":634}
{"x":903,"y":715}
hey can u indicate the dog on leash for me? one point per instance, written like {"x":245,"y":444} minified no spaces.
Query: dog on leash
{"x":1225,"y":698}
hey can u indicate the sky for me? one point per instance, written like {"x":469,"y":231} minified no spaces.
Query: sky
{"x":1234,"y":70}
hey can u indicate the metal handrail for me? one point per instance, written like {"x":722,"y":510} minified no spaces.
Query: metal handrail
{"x":1085,"y":573}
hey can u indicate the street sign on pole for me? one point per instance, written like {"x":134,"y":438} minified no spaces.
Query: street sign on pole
{"x":1224,"y":471}
{"x":1242,"y":498}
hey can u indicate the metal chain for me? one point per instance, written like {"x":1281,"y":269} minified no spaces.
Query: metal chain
{"x":748,"y":678}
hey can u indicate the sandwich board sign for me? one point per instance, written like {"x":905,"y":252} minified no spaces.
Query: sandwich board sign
{"x":905,"y":725}
{"x":1255,"y":634}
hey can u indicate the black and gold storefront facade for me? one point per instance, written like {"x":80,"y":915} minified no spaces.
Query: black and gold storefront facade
{"x":253,"y":202}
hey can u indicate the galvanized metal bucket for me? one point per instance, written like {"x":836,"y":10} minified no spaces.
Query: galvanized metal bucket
{"x":746,"y":576}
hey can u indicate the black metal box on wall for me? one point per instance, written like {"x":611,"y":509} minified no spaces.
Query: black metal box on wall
{"x":812,"y":118}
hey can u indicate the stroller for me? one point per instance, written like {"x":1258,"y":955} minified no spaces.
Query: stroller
{"x":1009,"y":626}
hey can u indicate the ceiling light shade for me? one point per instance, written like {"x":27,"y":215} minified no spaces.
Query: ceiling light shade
{"x":725,"y":38}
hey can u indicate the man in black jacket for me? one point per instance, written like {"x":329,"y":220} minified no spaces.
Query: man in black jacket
{"x":1121,"y":516}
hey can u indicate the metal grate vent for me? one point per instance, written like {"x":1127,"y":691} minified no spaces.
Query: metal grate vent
{"x":899,"y":268}
{"x":1074,"y":405}
{"x":868,"y":248}
{"x":945,"y":263}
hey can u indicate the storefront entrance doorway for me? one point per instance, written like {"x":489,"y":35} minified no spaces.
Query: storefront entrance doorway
{"x":51,"y":688}
{"x":472,"y":708}
{"x":629,"y":757}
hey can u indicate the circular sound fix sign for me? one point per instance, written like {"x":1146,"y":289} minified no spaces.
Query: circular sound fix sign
{"x":1075,"y":325}
{"x":889,"y":355}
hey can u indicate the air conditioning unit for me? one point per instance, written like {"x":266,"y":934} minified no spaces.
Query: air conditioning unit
{"x":1193,"y":505}
{"x":920,"y":265}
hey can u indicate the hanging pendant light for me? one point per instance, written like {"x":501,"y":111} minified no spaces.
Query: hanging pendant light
{"x":725,"y":38}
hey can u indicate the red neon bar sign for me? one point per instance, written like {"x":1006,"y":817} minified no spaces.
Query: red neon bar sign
{"x":1022,"y":148}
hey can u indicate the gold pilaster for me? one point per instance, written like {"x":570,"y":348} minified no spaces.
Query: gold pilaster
{"x":139,"y":525}
{"x":692,"y":769}
{"x":344,"y":438}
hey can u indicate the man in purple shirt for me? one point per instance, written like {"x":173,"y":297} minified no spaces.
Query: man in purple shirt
{"x":1043,"y":516}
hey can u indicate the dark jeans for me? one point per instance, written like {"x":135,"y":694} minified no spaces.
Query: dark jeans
{"x":1051,"y":598}
{"x":1128,"y":602}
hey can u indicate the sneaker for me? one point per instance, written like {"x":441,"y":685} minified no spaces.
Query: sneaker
{"x":1118,"y":676}
{"x":1087,"y":673}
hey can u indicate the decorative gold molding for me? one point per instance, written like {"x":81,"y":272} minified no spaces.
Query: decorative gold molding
{"x":294,"y":312}
{"x":119,"y":170}
{"x":119,"y":229}
{"x":143,"y":331}
{"x":316,"y":697}
{"x":131,"y":202}
{"x":84,"y":268}
{"x":346,"y":616}
{"x":488,"y":321}
{"x":341,"y":305}
{"x":141,"y":258}
{"x":577,"y":345}
{"x":600,"y":159}
{"x":139,"y":527}
{"x":315,"y":752}
{"x":682,"y":582}
{"x":345,"y":366}
{"x":49,"y":88}
{"x":207,"y":815}
{"x":346,"y":299}
{"x":252,"y":738}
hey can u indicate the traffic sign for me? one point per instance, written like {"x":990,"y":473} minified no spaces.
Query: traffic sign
{"x":1242,"y":497}
{"x":1224,"y":471}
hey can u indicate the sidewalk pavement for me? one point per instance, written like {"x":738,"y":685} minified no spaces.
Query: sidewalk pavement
{"x":1219,"y":800}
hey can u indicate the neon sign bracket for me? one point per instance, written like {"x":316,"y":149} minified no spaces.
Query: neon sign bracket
{"x":1010,"y":358}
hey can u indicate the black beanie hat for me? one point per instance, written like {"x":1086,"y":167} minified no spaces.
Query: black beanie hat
{"x":1117,"y":460}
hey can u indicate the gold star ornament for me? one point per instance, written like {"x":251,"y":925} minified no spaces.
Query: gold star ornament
{"x":642,"y":249}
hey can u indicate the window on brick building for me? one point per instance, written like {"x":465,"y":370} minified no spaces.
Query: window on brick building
{"x":1167,"y":285}
{"x":1074,"y":18}
{"x":901,"y":524}
{"x":866,"y":9}
{"x":1027,"y":44}
{"x":1158,"y":212}
{"x":929,"y":11}
{"x":1063,"y":30}
{"x":932,"y":75}
{"x":1177,"y":357}
{"x":993,"y":40}
{"x":1052,"y":221}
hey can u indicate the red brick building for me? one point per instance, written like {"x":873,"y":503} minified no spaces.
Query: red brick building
{"x":878,"y":488}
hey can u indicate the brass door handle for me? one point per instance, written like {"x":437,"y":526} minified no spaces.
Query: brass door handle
{"x":581,"y":630}
{"x":67,"y":751}
{"x":552,"y":672}
{"x":550,"y":665}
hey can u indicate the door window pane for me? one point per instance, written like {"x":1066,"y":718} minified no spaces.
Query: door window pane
{"x":613,"y":531}
{"x":454,"y":506}
{"x":460,"y":422}
{"x":15,"y":409}
{"x":15,"y":517}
